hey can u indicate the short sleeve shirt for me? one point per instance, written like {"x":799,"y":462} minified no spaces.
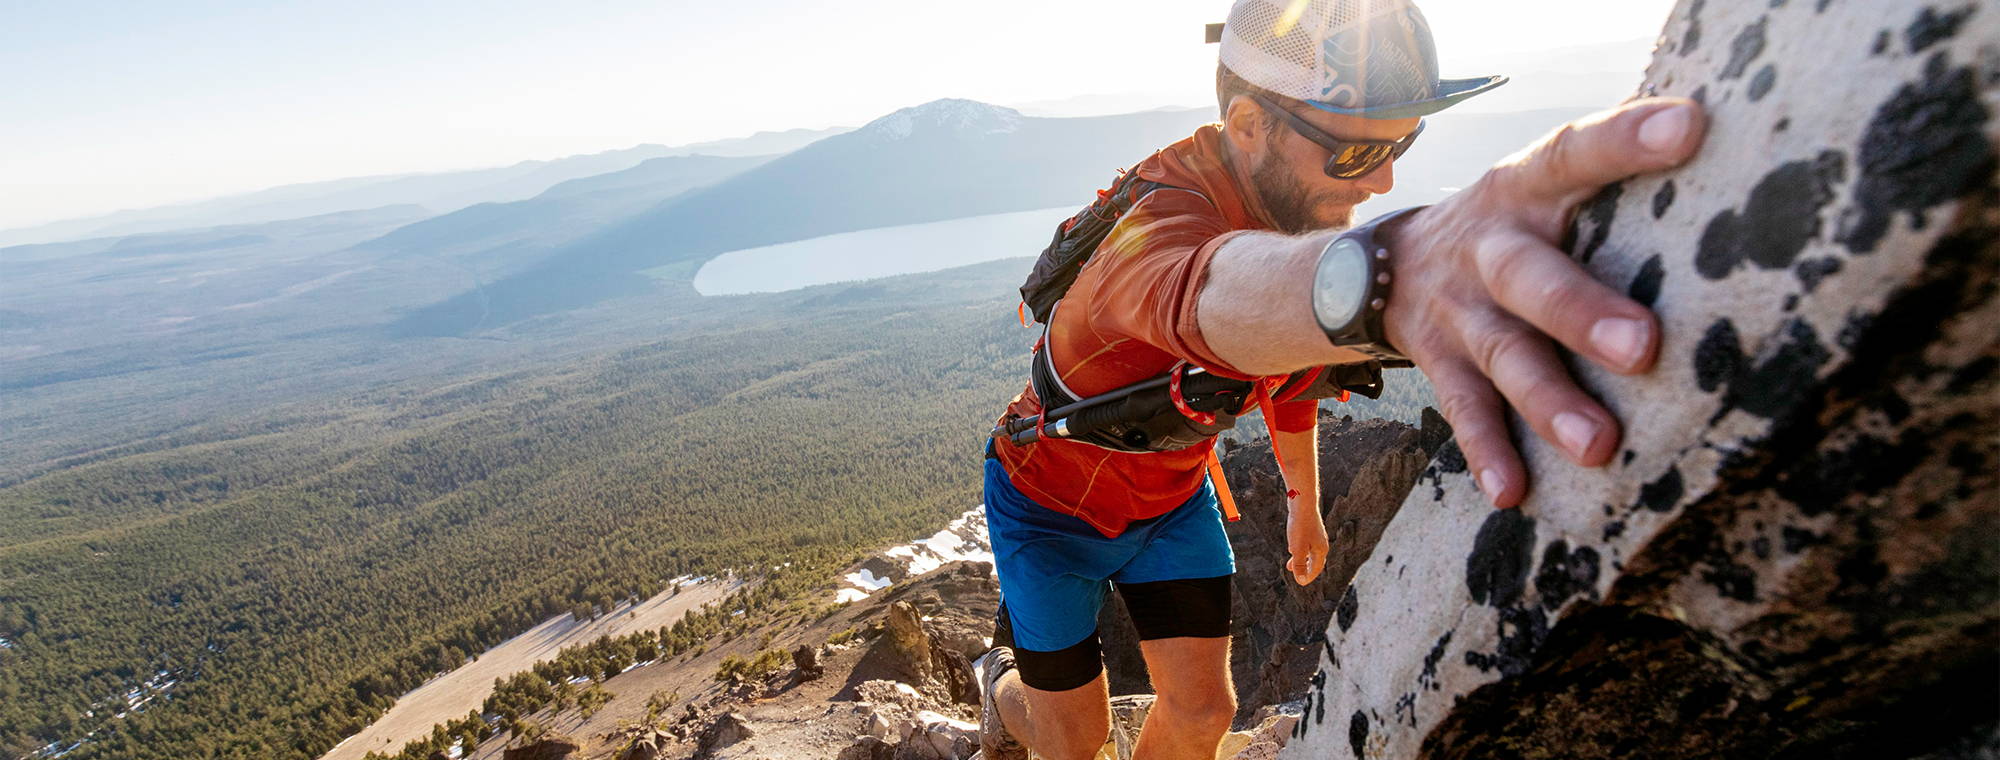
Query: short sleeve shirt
{"x":1130,"y":317}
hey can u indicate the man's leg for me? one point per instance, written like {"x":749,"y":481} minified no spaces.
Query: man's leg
{"x":1194,"y":702}
{"x":1057,"y":725}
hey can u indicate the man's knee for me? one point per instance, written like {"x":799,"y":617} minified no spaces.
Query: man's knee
{"x":1210,"y":710}
{"x":1076,"y":733}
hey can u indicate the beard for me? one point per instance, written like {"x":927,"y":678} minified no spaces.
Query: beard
{"x":1296,"y":210}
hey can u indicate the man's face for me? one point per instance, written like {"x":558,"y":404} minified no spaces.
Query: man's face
{"x":1290,"y":178}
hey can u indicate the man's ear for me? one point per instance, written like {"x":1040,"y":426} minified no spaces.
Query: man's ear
{"x":1244,"y":126}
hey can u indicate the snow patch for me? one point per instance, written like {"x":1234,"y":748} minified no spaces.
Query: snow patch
{"x":964,"y":539}
{"x":950,"y":114}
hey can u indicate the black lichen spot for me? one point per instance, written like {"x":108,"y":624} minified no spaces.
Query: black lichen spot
{"x":1782,"y":125}
{"x":1779,"y":219}
{"x":1796,"y":540}
{"x":1664,"y":492}
{"x":1783,"y":379}
{"x":1881,"y":43}
{"x":1645,"y":286}
{"x":1450,"y":458}
{"x":1350,"y":607}
{"x":1812,"y":271}
{"x":1930,"y":28}
{"x":1565,"y":574}
{"x":1428,"y":678}
{"x":1613,"y":529}
{"x":1522,"y":631}
{"x":1629,"y":455}
{"x":1855,"y":329}
{"x":1599,"y":211}
{"x":1820,"y":7}
{"x":1718,"y":358}
{"x":1319,"y":710}
{"x":1743,"y":50}
{"x":1791,"y":302}
{"x":1357,"y":732}
{"x":1732,"y":581}
{"x":1761,"y":84}
{"x":1502,"y":552}
{"x":1700,"y":96}
{"x":1664,"y":199}
{"x":1761,"y":546}
{"x":1925,"y":145}
{"x":1692,"y":38}
{"x":1927,"y":510}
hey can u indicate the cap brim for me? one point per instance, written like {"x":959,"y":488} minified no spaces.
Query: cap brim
{"x":1450,"y":92}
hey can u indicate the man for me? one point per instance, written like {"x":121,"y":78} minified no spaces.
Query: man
{"x":1238,"y":264}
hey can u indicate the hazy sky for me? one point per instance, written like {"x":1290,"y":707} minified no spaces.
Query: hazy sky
{"x":108,"y":105}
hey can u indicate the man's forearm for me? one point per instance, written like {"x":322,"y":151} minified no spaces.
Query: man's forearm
{"x":1255,"y":310}
{"x":1298,"y":459}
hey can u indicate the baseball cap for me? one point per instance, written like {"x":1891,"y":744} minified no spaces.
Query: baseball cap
{"x":1369,"y":58}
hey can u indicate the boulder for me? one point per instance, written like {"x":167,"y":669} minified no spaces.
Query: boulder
{"x":930,"y":665}
{"x":647,"y":745}
{"x":806,"y":660}
{"x":553,"y":748}
{"x":728,"y":729}
{"x":1793,"y":554}
{"x":867,"y":748}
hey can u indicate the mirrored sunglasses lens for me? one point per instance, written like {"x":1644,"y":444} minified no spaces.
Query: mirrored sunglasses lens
{"x":1357,"y":160}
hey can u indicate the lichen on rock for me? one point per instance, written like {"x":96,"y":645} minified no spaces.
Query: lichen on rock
{"x":1794,"y":556}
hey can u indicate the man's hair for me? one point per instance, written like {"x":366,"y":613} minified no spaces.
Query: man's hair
{"x":1228,"y":85}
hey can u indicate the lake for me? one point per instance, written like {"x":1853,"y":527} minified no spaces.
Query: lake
{"x":880,"y":252}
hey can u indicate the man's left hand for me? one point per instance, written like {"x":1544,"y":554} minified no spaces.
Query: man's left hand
{"x":1305,"y":535}
{"x":1482,"y":294}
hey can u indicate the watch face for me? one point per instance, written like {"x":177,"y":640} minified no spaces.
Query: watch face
{"x":1341,"y":285}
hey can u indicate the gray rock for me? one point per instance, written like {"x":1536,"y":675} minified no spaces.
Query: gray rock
{"x":1794,"y":554}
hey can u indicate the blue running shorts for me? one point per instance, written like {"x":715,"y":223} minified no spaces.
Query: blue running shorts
{"x":1055,"y":569}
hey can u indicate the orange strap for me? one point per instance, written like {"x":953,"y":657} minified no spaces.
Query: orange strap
{"x":1222,"y":494}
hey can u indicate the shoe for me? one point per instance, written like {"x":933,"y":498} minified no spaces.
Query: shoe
{"x":994,"y":742}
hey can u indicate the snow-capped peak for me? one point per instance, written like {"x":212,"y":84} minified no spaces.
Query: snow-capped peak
{"x":952,"y":114}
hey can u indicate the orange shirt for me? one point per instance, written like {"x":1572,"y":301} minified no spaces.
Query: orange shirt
{"x":1130,"y":317}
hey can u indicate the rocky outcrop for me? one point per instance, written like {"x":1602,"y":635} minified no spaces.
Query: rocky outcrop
{"x":924,"y":660}
{"x":1794,"y":555}
{"x":553,"y":748}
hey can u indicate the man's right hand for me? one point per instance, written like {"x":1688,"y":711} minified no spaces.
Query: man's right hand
{"x":1481,"y":289}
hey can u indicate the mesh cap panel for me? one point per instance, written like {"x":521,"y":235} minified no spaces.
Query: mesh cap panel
{"x":1341,"y":53}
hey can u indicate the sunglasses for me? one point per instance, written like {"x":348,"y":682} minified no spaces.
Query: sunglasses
{"x":1350,"y":159}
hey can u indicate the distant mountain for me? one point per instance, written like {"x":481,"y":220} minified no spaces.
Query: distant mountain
{"x":441,"y":192}
{"x":505,"y":233}
{"x":941,"y":160}
{"x":214,"y":238}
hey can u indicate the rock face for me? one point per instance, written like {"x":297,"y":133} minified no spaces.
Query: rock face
{"x":1795,"y":554}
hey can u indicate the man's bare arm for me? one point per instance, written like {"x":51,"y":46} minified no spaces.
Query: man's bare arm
{"x":1480,"y":290}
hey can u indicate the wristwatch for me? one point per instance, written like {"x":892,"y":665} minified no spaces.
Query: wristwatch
{"x":1351,"y":289}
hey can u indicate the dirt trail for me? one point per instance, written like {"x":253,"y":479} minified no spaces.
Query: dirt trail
{"x":453,"y":694}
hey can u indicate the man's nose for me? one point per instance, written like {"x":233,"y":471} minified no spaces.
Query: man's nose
{"x":1380,"y":180}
